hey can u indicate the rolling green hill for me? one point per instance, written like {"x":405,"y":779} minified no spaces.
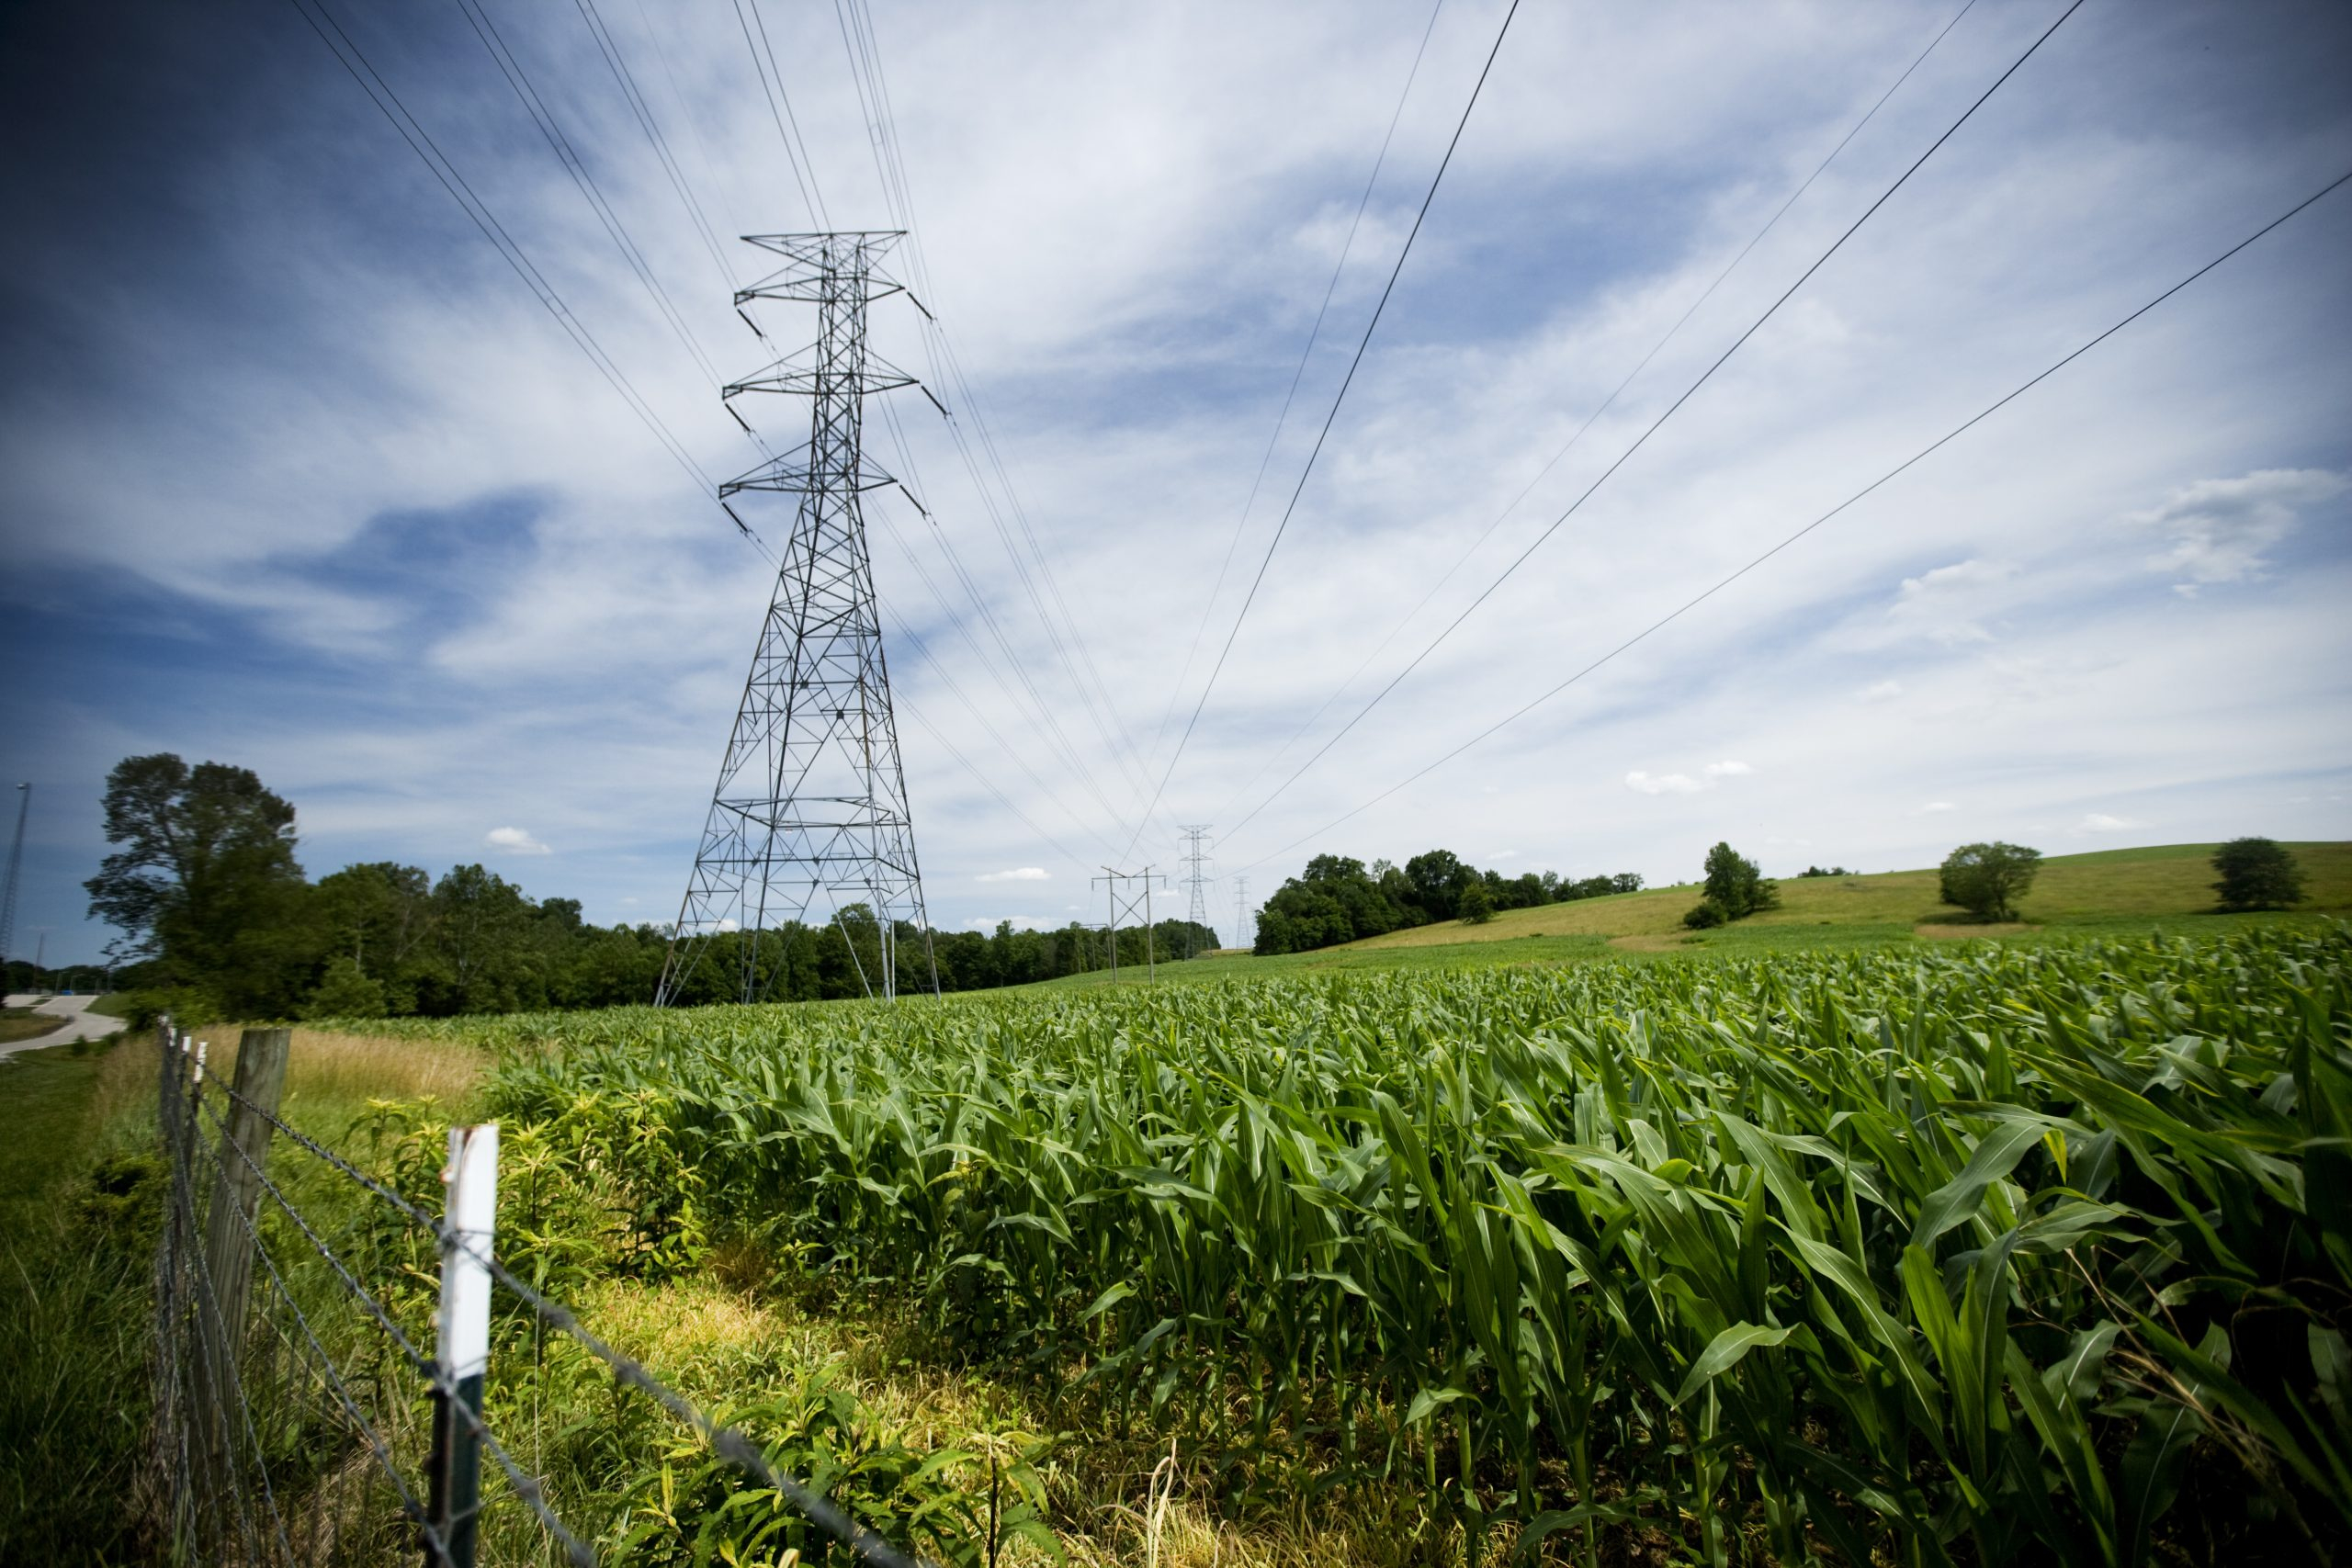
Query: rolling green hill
{"x":2168,"y":881}
{"x":2111,"y":891}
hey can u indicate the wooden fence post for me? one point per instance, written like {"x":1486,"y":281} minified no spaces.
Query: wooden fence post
{"x":228,"y":1231}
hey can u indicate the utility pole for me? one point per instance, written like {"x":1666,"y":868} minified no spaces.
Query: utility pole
{"x":1125,"y":902}
{"x":1242,"y":936}
{"x":811,"y":799}
{"x":1196,"y":883}
{"x":15,"y":864}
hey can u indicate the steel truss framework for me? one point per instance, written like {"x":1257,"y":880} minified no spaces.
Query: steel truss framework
{"x":811,"y":801}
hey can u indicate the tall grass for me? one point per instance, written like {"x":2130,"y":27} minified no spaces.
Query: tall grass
{"x":1966,"y":1256}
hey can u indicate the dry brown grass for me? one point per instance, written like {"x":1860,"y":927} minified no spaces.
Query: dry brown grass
{"x":324,"y":1073}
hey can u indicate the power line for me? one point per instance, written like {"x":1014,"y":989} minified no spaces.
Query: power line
{"x":1725,"y":581}
{"x":527,"y":93}
{"x":1606,"y":404}
{"x":1348,"y":381}
{"x":871,"y":82}
{"x":1314,"y":334}
{"x":1623,"y":457}
{"x":379,"y":92}
{"x":780,"y":109}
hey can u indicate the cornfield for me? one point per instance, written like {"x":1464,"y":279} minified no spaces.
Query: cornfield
{"x":1988,"y":1255}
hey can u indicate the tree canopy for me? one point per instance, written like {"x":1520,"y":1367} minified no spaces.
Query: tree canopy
{"x":1337,"y":898}
{"x":1988,"y":879}
{"x":2257,"y":874}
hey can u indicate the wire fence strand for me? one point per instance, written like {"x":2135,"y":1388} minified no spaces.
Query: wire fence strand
{"x":287,"y":1391}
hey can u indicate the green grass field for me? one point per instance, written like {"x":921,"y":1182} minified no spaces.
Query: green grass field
{"x":2108,"y":893}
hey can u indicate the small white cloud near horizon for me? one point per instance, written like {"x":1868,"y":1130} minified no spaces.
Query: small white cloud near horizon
{"x":514,"y":841}
{"x":1881,"y":691}
{"x":2219,"y":528}
{"x":1937,"y":805}
{"x":2102,"y":822}
{"x":1683,"y":783}
{"x":1018,"y":874}
{"x":1018,"y":922}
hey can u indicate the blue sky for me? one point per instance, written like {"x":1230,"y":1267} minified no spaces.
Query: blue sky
{"x":299,"y":475}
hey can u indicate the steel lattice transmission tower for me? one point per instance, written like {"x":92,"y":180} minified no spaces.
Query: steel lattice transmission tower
{"x":811,"y":801}
{"x":1196,"y":882}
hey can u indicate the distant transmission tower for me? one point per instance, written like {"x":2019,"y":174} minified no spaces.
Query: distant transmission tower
{"x":1242,"y":935}
{"x":811,"y":799}
{"x":1196,"y":883}
{"x":15,"y":864}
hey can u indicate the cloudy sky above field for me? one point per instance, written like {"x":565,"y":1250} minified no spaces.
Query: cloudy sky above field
{"x":298,"y":474}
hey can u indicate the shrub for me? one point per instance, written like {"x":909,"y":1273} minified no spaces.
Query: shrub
{"x":2257,"y":874}
{"x":1988,"y":879}
{"x":1476,"y":905}
{"x":1704,"y":915}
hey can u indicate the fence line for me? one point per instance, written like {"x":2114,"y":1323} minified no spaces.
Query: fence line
{"x":286,"y":1424}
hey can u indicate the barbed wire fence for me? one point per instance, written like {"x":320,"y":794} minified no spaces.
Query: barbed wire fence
{"x":297,"y":1417}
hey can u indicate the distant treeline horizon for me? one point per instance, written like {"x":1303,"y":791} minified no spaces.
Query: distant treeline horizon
{"x":220,"y":921}
{"x":1337,"y":898}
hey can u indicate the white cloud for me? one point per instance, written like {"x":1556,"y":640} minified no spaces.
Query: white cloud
{"x":1663,"y":784}
{"x":1683,"y":783}
{"x":1018,"y":874}
{"x":2101,"y":823}
{"x":1018,"y":922}
{"x":514,"y":841}
{"x":1937,"y":805}
{"x":1950,"y":604}
{"x":2219,"y":528}
{"x":1881,"y":691}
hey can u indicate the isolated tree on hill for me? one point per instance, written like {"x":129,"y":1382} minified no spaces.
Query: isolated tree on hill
{"x":1737,"y":886}
{"x":1476,"y":905}
{"x":2257,"y":874}
{"x":1988,"y":879}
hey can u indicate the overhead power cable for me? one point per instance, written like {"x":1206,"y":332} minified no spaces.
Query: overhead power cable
{"x":1639,"y":441}
{"x":1281,"y":418}
{"x":379,"y":92}
{"x":1726,"y":581}
{"x":982,"y":461}
{"x":1337,"y":399}
{"x":796,"y":151}
{"x":527,"y":93}
{"x":1224,"y":812}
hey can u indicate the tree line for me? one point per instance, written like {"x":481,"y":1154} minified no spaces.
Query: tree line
{"x":1337,"y":898}
{"x":219,"y":921}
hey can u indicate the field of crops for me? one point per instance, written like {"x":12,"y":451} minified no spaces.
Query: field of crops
{"x":1976,"y":1256}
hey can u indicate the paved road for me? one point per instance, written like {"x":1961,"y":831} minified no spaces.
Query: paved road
{"x":80,"y":1024}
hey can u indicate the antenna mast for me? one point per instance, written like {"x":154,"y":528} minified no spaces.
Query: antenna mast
{"x":15,"y":864}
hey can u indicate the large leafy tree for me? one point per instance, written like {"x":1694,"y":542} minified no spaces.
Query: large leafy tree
{"x":2257,"y":874}
{"x":205,"y":879}
{"x":1987,"y":880}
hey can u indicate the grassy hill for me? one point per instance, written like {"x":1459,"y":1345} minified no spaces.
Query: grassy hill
{"x":2168,"y":888}
{"x":2167,"y":882}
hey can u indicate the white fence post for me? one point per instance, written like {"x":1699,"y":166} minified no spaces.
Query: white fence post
{"x":469,"y":1214}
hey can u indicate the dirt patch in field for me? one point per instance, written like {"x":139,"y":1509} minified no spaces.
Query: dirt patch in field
{"x":1956,"y":933}
{"x":1649,"y":941}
